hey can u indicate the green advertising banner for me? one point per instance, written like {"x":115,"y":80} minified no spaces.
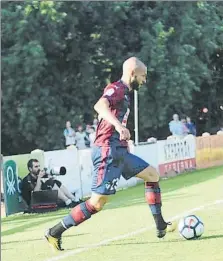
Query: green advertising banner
{"x":21,"y":163}
{"x":14,"y":170}
{"x":13,"y":201}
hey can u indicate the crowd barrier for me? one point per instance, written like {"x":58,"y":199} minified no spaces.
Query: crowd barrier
{"x":170,"y":157}
{"x":209,"y":151}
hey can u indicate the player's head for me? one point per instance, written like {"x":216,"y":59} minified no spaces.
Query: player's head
{"x":134,"y":72}
{"x":33,"y":166}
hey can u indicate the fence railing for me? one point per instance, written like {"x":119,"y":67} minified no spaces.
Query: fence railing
{"x":170,"y":157}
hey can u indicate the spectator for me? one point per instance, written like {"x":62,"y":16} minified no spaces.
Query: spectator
{"x":92,"y":135}
{"x":176,"y":126}
{"x":69,"y":135}
{"x":38,"y":180}
{"x":152,"y":140}
{"x":191,"y":126}
{"x":206,"y":134}
{"x":185,"y":129}
{"x":220,"y":132}
{"x":95,"y":124}
{"x":88,"y":126}
{"x":82,"y":140}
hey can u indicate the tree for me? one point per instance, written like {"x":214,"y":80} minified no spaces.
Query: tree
{"x":180,"y":46}
{"x":58,"y":56}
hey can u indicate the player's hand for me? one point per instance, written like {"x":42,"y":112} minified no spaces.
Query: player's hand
{"x":124,"y":132}
{"x":41,"y":174}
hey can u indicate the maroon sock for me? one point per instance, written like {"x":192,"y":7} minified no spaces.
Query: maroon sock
{"x":153,"y":198}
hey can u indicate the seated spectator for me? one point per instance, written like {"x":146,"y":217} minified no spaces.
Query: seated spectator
{"x":82,"y":140}
{"x":191,"y":126}
{"x":69,"y":135}
{"x":176,"y":126}
{"x":38,"y":180}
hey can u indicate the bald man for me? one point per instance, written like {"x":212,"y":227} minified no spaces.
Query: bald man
{"x":111,"y":158}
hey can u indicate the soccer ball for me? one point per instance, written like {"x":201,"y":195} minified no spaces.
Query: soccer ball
{"x":191,"y":227}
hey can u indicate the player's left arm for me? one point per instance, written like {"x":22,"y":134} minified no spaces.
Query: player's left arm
{"x":103,"y":107}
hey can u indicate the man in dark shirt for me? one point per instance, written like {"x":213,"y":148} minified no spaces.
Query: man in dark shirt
{"x":38,"y":180}
{"x":32,"y":182}
{"x":111,"y":158}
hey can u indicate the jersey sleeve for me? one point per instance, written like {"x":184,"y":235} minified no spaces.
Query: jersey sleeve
{"x":113,"y":94}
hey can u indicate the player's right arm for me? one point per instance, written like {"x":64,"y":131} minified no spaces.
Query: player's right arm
{"x":103,"y":108}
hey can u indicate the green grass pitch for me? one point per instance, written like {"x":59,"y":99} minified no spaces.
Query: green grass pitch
{"x":124,"y":230}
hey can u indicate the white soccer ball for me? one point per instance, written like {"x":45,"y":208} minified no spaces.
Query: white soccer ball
{"x":191,"y":227}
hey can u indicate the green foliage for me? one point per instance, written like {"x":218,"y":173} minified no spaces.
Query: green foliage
{"x":58,"y":56}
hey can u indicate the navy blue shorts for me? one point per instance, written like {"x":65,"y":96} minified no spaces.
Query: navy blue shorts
{"x":109,"y":164}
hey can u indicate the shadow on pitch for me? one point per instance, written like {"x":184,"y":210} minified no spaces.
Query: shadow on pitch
{"x":163,"y":241}
{"x":210,"y":237}
{"x":198,"y":239}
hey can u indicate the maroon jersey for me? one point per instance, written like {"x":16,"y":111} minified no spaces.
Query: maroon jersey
{"x":117,"y":94}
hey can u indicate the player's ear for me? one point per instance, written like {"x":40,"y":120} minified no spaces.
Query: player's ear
{"x":133,"y":73}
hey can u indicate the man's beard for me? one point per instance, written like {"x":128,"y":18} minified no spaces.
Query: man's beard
{"x":134,"y":84}
{"x":36,"y":173}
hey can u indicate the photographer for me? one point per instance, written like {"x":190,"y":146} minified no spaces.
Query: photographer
{"x":38,"y":180}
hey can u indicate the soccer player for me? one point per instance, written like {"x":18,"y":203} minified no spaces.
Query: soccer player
{"x":111,"y":158}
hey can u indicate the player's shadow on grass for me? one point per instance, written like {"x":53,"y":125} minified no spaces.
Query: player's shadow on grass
{"x":164,"y":241}
{"x":198,"y":239}
{"x":210,"y":237}
{"x":180,"y":240}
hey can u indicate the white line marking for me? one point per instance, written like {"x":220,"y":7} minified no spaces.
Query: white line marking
{"x":139,"y":231}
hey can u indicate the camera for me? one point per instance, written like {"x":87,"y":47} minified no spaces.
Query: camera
{"x":56,"y":171}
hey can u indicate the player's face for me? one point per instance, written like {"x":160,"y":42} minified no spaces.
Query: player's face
{"x":139,"y":78}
